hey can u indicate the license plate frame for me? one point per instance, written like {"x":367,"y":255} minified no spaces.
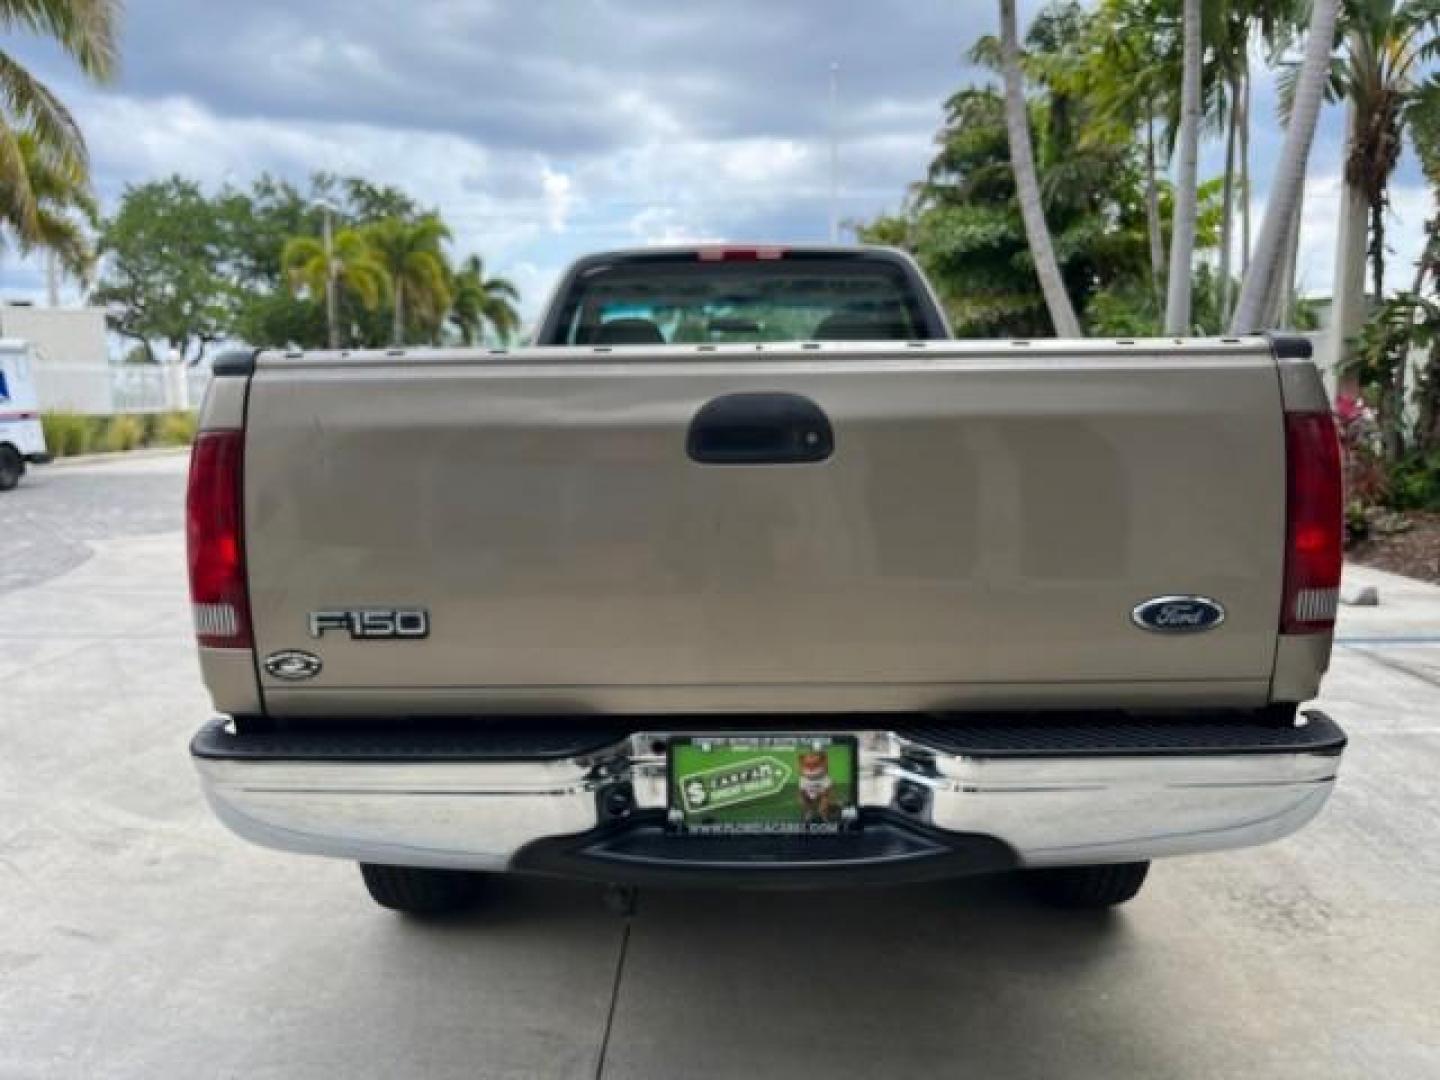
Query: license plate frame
{"x":756,"y":784}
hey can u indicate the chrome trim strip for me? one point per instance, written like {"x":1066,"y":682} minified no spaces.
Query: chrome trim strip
{"x":1052,"y":811}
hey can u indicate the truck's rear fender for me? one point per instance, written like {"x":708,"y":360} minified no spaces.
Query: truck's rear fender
{"x":230,"y":673}
{"x":1302,"y":654}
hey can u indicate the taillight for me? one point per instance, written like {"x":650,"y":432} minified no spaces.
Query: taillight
{"x":1314,"y":523}
{"x":214,"y":536}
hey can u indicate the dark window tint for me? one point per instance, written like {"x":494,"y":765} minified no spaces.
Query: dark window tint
{"x":689,"y":301}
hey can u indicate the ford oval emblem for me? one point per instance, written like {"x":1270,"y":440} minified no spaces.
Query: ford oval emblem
{"x":1178,"y":614}
{"x":292,"y":665}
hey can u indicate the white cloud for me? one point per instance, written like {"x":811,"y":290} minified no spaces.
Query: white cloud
{"x":1410,"y":206}
{"x":515,"y":207}
{"x":1319,"y":232}
{"x":545,"y":130}
{"x":667,"y":225}
{"x":559,"y":196}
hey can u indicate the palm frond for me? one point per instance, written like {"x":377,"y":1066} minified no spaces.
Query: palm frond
{"x":65,"y":238}
{"x":18,"y":207}
{"x":29,"y":105}
{"x":88,"y":30}
{"x":1422,"y":116}
{"x":498,"y":286}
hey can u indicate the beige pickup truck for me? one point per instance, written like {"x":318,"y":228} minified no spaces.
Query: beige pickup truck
{"x":746,"y":573}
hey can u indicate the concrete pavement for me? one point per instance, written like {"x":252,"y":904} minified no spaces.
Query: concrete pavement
{"x":139,"y":939}
{"x":48,"y":521}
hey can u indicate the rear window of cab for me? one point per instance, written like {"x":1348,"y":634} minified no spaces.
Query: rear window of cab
{"x":695,"y":300}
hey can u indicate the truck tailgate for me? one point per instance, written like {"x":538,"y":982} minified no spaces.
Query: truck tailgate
{"x":989,"y":518}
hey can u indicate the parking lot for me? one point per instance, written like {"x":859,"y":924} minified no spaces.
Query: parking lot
{"x":140,"y":939}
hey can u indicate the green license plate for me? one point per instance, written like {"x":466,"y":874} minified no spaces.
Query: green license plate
{"x":757,"y":784}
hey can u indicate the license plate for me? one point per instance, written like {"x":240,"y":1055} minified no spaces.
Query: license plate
{"x":763,"y":784}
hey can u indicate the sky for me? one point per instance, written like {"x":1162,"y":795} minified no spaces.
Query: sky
{"x":546,"y":129}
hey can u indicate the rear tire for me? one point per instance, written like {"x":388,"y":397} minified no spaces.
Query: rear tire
{"x":422,"y":891}
{"x":1088,"y":887}
{"x":12,"y":467}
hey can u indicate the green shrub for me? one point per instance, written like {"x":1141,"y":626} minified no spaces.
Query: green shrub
{"x":123,"y":432}
{"x":67,"y":434}
{"x":1415,"y":483}
{"x":173,"y":429}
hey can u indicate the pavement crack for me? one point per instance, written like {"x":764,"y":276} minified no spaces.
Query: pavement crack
{"x":614,"y":993}
{"x":1395,"y":665}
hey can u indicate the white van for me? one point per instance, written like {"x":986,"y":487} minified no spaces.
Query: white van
{"x":22,"y":439}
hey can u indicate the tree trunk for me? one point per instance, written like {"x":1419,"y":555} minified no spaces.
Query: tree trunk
{"x":1427,"y":397}
{"x":332,"y":318}
{"x":144,"y":342}
{"x":1427,"y":428}
{"x":1280,"y":302}
{"x":1427,"y":254}
{"x":1282,"y":205}
{"x":1377,"y":250}
{"x":1152,"y":217}
{"x":1182,"y":232}
{"x":1027,"y":183}
{"x":1282,"y":291}
{"x":1392,"y":390}
{"x":397,"y":326}
{"x":1348,"y":306}
{"x":1227,"y":221}
{"x":1245,"y":169}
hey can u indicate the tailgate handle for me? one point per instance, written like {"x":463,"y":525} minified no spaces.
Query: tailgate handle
{"x":760,"y":429}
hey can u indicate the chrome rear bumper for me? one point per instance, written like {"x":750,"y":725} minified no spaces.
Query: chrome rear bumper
{"x":1050,"y":797}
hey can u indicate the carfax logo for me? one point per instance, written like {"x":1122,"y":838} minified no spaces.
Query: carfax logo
{"x":733,"y":784}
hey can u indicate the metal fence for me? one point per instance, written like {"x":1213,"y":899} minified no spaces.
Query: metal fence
{"x":106,"y":389}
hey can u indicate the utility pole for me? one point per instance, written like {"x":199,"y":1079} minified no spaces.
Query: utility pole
{"x":332,"y":320}
{"x":52,"y":278}
{"x":834,"y":151}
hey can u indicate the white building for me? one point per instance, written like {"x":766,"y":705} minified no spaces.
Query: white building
{"x":73,"y":371}
{"x":72,"y":360}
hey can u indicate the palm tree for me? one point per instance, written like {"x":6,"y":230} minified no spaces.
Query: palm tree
{"x":477,"y":300}
{"x":1134,"y":62}
{"x":1282,"y":208}
{"x":1128,"y":81}
{"x":411,"y":255}
{"x":1230,"y":31}
{"x":1182,"y":230}
{"x":1027,"y":182}
{"x":1140,"y":56}
{"x":1410,"y":321}
{"x":84,"y":29}
{"x":1423,"y":115}
{"x":358,"y":271}
{"x":1386,"y":41}
{"x":63,"y":207}
{"x":1280,"y":24}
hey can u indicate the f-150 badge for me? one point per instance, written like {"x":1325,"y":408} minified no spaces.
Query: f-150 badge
{"x":372,"y":624}
{"x":1178,"y":614}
